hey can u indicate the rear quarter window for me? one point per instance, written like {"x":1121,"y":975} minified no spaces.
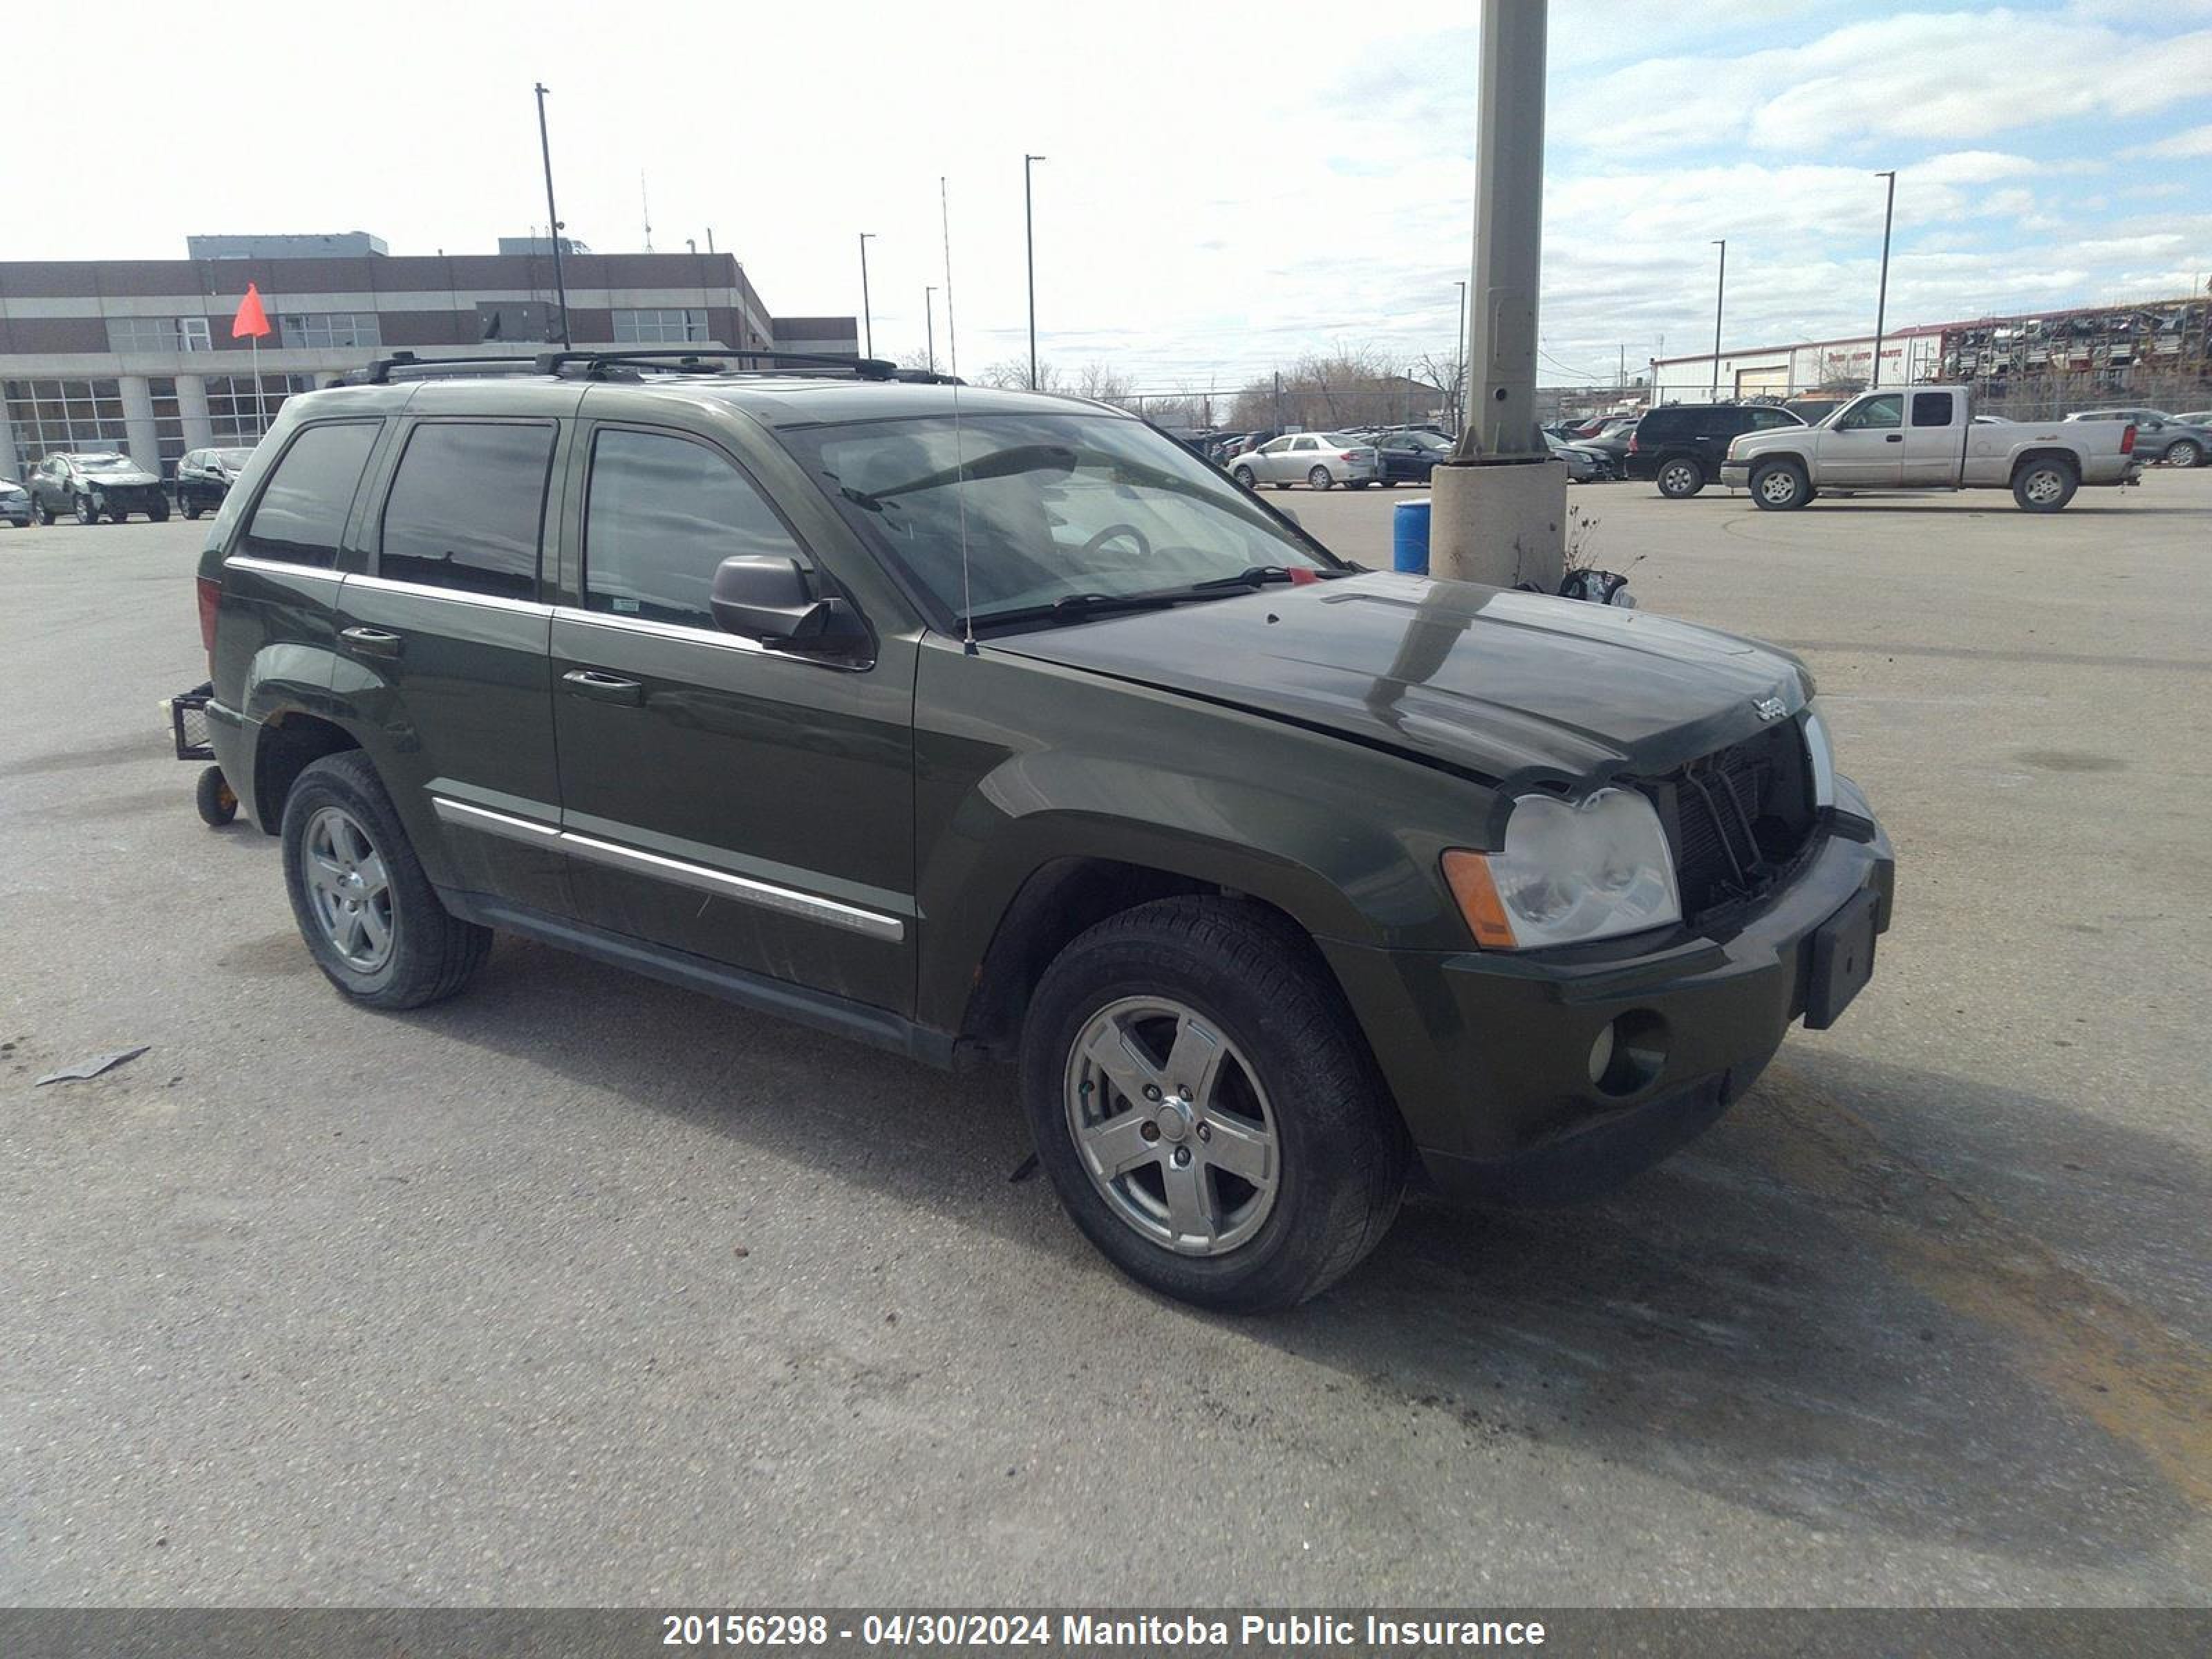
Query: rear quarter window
{"x":301,"y":515}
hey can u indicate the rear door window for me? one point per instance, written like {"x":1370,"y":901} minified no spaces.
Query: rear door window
{"x":300,"y":517}
{"x":662,"y":514}
{"x":1931,"y":409}
{"x":467,"y":508}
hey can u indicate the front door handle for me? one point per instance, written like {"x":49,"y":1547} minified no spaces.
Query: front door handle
{"x":607,"y":687}
{"x":371,"y":641}
{"x":1895,"y":438}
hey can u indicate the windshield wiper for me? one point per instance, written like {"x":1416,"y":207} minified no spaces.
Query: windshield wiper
{"x":1075,"y":607}
{"x":1259,"y":576}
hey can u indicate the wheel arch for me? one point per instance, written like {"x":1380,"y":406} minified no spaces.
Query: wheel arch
{"x":291,"y":740}
{"x":2027,"y":458}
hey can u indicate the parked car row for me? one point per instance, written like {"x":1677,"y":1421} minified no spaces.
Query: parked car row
{"x":96,"y":484}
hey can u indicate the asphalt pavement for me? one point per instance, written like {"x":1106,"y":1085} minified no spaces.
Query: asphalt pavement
{"x":582,"y":1289}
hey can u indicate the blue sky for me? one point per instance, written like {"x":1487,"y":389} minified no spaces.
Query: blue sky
{"x":1227,"y":187}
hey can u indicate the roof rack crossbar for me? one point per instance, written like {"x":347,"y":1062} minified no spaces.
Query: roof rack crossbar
{"x":680,"y":358}
{"x":381,"y":370}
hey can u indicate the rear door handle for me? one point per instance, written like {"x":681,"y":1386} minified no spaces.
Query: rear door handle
{"x":371,"y":641}
{"x":607,"y":687}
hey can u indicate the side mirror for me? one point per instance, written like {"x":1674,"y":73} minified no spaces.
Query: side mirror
{"x":770,"y":600}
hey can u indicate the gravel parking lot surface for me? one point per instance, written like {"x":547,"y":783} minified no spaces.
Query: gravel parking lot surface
{"x":581,"y":1289}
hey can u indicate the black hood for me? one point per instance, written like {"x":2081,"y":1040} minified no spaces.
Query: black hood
{"x":1501,"y":685}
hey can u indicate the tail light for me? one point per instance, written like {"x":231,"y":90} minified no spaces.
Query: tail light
{"x":1351,"y":454}
{"x":2128,"y":440}
{"x":1632,"y":449}
{"x":210,"y":592}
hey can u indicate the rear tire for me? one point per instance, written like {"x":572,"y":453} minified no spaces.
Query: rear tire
{"x":160,"y":513}
{"x":2187,"y":452}
{"x":1319,"y":478}
{"x":1780,"y":486}
{"x":1680,"y":478}
{"x":370,"y":917}
{"x":1289,"y":1092}
{"x":2044,"y":486}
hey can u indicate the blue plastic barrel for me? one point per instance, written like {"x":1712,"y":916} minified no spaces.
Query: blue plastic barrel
{"x":1409,"y":536}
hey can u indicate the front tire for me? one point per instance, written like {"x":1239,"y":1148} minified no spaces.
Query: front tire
{"x":371,"y":920}
{"x":45,"y":513}
{"x":86,"y":511}
{"x":2044,"y":486}
{"x":1780,"y":486}
{"x":1680,"y":477}
{"x":191,"y":504}
{"x":1319,"y":478}
{"x":160,"y":514}
{"x":1245,"y":478}
{"x":2187,"y":452}
{"x":1206,"y":1108}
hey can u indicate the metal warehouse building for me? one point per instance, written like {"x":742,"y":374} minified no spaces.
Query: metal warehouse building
{"x":136,"y":355}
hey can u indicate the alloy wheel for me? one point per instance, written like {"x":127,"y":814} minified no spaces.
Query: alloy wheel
{"x":2044,"y":485}
{"x":349,"y":889}
{"x":1172,"y":1125}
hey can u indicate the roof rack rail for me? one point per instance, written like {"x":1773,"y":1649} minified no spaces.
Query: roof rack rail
{"x":381,"y":371}
{"x":680,"y":359}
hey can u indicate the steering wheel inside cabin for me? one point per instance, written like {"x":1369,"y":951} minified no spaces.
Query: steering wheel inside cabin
{"x":1097,"y":542}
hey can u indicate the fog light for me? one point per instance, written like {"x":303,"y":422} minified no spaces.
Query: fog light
{"x":1629,"y":1054}
{"x":1601,"y":1055}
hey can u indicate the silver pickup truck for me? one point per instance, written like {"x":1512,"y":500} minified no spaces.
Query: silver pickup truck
{"x":1926,"y":437}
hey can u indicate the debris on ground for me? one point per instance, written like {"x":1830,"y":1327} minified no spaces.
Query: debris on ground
{"x":93,"y":1067}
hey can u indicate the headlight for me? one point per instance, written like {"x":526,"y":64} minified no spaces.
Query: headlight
{"x":1822,"y":753}
{"x":1570,"y":871}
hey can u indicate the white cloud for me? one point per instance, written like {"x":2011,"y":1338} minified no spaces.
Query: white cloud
{"x":2191,"y":145}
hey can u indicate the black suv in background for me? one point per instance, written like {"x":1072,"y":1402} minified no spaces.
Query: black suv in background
{"x":204,"y":478}
{"x":1681,"y":447}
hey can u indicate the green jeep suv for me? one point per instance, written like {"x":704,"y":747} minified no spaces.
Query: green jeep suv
{"x":992,"y":727}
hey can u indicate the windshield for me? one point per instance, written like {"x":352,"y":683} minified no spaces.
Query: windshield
{"x":1055,"y":505}
{"x":233,"y":458}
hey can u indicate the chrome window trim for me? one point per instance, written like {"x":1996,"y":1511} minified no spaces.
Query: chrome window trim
{"x":459,"y":596}
{"x":659,"y":629}
{"x":723,"y":884}
{"x":280,"y":567}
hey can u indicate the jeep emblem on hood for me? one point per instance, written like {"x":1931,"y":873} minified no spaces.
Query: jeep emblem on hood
{"x":1770,"y":709}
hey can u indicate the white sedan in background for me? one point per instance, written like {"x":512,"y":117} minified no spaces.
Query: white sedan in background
{"x":1319,"y":460}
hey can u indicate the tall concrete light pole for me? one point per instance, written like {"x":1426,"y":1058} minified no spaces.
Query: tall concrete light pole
{"x":1720,"y":298}
{"x":1500,"y":503}
{"x":1881,"y":298}
{"x":1028,"y":244}
{"x":867,"y":320}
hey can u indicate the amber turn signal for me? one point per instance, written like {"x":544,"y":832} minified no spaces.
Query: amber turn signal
{"x":1468,"y":875}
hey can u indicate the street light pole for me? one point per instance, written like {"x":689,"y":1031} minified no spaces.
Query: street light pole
{"x":553,"y":218}
{"x":867,"y":320}
{"x":1028,"y":244}
{"x":1881,"y":299}
{"x":929,"y":322}
{"x":1509,"y":237}
{"x":1459,"y":369}
{"x":1720,"y":297}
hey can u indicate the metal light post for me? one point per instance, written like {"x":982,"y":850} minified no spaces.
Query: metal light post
{"x":1881,"y":299}
{"x":867,"y":321}
{"x":929,"y":322}
{"x":1459,"y":368}
{"x":553,"y":218}
{"x":1029,"y":243}
{"x":1720,"y":297}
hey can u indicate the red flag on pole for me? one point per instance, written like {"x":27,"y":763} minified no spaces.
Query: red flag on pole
{"x":250,"y":318}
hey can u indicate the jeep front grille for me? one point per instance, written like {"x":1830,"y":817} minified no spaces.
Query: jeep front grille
{"x":1737,"y":820}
